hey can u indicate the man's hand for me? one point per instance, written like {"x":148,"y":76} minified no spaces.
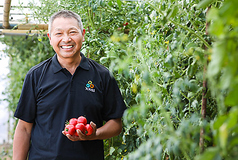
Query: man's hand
{"x":81,"y":136}
{"x":111,"y":128}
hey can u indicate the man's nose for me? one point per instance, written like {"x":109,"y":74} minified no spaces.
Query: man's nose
{"x":66,"y":38}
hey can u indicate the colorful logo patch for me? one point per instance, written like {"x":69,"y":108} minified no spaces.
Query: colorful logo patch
{"x":90,"y":86}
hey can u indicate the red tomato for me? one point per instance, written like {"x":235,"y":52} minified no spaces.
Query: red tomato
{"x":81,"y":127}
{"x":125,"y":24}
{"x":73,"y":121}
{"x":89,"y":129}
{"x":69,"y":129}
{"x":82,"y":119}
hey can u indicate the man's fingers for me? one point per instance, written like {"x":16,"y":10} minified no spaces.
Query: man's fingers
{"x":93,"y":125}
{"x":81,"y":136}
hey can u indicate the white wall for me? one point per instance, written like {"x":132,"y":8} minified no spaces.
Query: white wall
{"x":3,"y":104}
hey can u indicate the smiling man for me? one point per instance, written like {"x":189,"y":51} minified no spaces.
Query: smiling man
{"x":65,"y":86}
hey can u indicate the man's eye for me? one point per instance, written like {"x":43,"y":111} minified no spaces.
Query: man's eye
{"x":58,"y":33}
{"x":72,"y":32}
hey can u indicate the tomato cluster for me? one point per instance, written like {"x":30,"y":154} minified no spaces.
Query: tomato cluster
{"x":78,"y":123}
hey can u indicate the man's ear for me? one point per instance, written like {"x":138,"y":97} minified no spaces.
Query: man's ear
{"x":83,"y":34}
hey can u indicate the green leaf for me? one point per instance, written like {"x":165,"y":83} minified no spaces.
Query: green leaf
{"x":212,"y":14}
{"x":112,"y":149}
{"x":233,"y":141}
{"x":211,"y":153}
{"x":232,"y":121}
{"x":223,"y":135}
{"x":220,"y":120}
{"x":173,"y":13}
{"x":231,"y":99}
{"x":205,"y":3}
{"x":218,"y":57}
{"x":110,"y":3}
{"x":217,"y":27}
{"x":119,"y":3}
{"x":103,"y":60}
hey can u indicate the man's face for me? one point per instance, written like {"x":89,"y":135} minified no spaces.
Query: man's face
{"x":66,"y":37}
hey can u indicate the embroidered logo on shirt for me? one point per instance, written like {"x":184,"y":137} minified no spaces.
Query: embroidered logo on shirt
{"x":90,"y":86}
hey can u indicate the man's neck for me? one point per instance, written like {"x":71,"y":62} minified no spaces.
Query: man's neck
{"x":70,"y":64}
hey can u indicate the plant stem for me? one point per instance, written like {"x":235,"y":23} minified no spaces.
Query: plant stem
{"x":192,"y":32}
{"x":204,"y":98}
{"x":182,"y":26}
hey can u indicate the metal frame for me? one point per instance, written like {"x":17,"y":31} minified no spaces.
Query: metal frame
{"x":18,"y":29}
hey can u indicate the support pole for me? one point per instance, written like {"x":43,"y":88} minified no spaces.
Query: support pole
{"x":6,"y":13}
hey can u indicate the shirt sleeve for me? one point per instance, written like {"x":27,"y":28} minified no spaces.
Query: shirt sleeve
{"x":26,"y":107}
{"x":114,"y":105}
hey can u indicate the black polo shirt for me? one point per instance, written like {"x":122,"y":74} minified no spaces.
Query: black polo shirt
{"x":51,"y":95}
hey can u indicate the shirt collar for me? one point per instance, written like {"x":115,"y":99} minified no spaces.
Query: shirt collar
{"x":84,"y":64}
{"x":57,"y":67}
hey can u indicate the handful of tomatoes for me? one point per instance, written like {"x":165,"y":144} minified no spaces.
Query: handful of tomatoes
{"x":78,"y":123}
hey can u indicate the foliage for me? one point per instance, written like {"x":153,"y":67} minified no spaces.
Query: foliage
{"x":158,"y":52}
{"x":222,"y":74}
{"x":162,"y":67}
{"x":24,"y":52}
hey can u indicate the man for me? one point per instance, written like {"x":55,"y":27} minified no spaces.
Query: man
{"x":66,"y":86}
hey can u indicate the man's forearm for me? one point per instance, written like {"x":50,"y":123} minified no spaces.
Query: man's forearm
{"x":112,"y":128}
{"x":21,"y":143}
{"x":20,"y":148}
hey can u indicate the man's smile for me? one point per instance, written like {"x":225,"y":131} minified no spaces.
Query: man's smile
{"x":67,"y":47}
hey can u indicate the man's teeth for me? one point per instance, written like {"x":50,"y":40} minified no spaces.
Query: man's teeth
{"x":66,"y":47}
